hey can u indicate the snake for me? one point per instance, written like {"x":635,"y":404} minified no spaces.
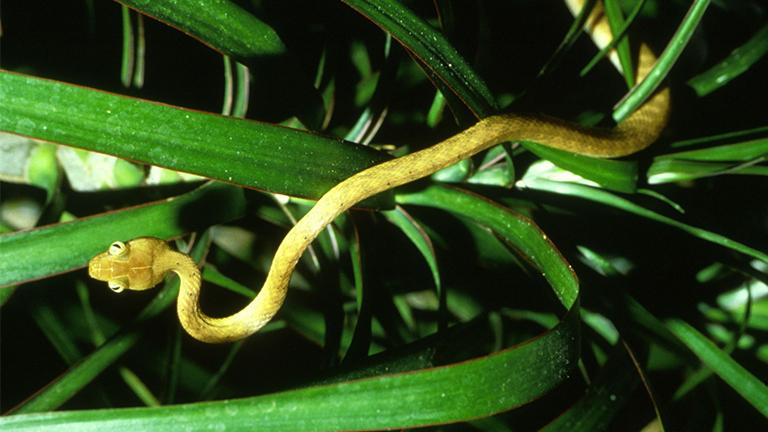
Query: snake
{"x":142,"y":263}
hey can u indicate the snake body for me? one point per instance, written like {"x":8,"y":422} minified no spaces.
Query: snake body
{"x":142,"y":263}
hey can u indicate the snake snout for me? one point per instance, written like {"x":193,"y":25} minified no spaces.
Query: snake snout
{"x":92,"y":270}
{"x":96,"y":269}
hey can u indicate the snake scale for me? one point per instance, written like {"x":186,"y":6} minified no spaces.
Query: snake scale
{"x":142,"y":263}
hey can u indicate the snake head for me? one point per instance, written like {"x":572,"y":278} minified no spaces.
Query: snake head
{"x":128,"y":265}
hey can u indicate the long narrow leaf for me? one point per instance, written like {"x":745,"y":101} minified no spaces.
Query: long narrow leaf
{"x":471,"y":389}
{"x":58,"y":248}
{"x":248,"y":153}
{"x":432,"y":48}
{"x":612,"y":200}
{"x":738,"y":62}
{"x":746,"y":384}
{"x":222,"y":24}
{"x":667,"y":59}
{"x":516,"y":229}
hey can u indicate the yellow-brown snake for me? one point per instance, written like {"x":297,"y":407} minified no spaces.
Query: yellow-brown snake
{"x":142,"y":263}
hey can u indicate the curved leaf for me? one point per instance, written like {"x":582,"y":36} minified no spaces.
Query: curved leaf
{"x":222,"y":24}
{"x":432,"y":48}
{"x":475,"y":388}
{"x":514,"y":228}
{"x":617,"y":175}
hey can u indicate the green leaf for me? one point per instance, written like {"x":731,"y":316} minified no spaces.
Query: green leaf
{"x":609,"y":199}
{"x":671,"y":170}
{"x":432,"y":49}
{"x":743,"y":151}
{"x":248,"y":153}
{"x":222,"y":24}
{"x":470,"y":389}
{"x":617,"y":175}
{"x":667,"y":59}
{"x":618,"y":38}
{"x":62,"y":247}
{"x":722,"y":137}
{"x":360,"y":344}
{"x":420,"y":239}
{"x":6,"y":293}
{"x":514,"y":228}
{"x":746,"y":384}
{"x":617,"y":23}
{"x":738,"y":62}
{"x":605,"y":396}
{"x":57,"y":334}
{"x":210,"y":274}
{"x":42,"y":169}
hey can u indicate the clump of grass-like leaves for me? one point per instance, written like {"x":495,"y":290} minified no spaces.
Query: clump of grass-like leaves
{"x":527,"y":288}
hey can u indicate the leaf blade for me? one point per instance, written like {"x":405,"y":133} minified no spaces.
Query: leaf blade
{"x":252,"y":154}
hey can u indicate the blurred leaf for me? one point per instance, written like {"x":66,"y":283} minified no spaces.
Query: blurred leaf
{"x":420,"y":239}
{"x":6,"y":293}
{"x":495,"y":176}
{"x":42,"y":169}
{"x":129,"y":53}
{"x":89,"y":171}
{"x":455,"y":173}
{"x":24,"y":160}
{"x":606,"y":198}
{"x":739,"y":61}
{"x":743,"y":151}
{"x":747,"y":385}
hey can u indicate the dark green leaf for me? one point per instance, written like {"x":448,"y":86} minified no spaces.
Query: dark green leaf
{"x":638,"y":95}
{"x":252,"y":154}
{"x":222,"y":24}
{"x":474,"y":388}
{"x":516,"y":229}
{"x":620,"y":176}
{"x":432,"y":49}
{"x":738,"y":62}
{"x":746,"y":384}
{"x":58,"y":248}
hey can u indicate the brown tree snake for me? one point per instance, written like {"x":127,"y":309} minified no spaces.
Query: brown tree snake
{"x":142,"y":263}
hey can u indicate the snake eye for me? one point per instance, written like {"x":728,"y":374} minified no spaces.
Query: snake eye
{"x":116,"y":286}
{"x":117,"y":248}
